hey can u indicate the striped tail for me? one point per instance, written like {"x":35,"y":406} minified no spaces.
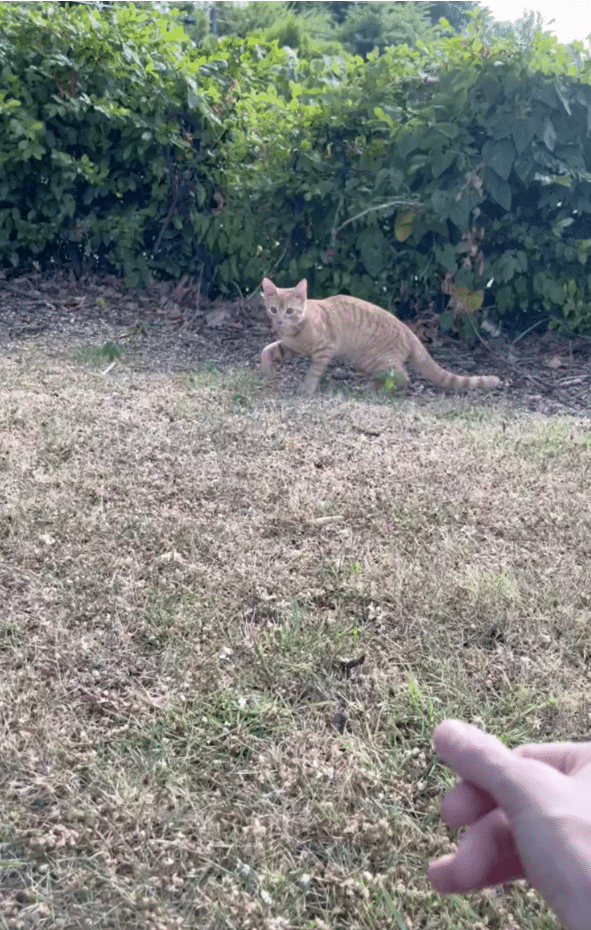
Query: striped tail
{"x":428,"y":367}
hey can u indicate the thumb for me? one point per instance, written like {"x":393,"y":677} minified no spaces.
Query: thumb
{"x":485,"y":762}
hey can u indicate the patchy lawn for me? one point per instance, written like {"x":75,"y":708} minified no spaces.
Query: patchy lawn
{"x":191,"y":572}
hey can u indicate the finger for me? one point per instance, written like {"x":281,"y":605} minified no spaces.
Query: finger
{"x":463,"y":804}
{"x":568,"y":758}
{"x":486,"y":855}
{"x":483,"y":761}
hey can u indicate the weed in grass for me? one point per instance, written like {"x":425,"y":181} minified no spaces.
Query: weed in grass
{"x":207,"y":375}
{"x":96,"y":356}
{"x":550,"y":439}
{"x":468,"y":413}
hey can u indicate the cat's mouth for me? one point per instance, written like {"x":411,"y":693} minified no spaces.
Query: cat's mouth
{"x":289,"y":328}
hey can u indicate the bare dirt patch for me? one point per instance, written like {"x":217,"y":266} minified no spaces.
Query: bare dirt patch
{"x":191,"y":573}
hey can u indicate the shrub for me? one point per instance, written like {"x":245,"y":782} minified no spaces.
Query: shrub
{"x":108,"y":145}
{"x":456,"y":168}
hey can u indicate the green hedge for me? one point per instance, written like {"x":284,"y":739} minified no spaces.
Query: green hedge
{"x":458,"y":166}
{"x":108,"y":143}
{"x":458,"y":159}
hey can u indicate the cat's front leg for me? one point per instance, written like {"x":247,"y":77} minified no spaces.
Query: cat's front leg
{"x":316,"y":370}
{"x":270,"y":355}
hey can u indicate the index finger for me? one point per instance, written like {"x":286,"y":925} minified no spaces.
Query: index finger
{"x":568,"y":758}
{"x":482,"y":761}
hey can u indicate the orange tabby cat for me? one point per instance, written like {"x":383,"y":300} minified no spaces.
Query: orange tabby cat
{"x":371,"y":339}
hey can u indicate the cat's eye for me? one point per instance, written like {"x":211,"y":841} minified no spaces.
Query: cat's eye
{"x":272,"y":309}
{"x":289,"y":311}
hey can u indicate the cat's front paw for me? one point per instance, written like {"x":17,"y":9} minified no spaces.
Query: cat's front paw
{"x":306,"y":390}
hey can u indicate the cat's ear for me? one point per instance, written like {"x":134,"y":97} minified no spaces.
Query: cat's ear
{"x":269,"y":289}
{"x":301,"y":289}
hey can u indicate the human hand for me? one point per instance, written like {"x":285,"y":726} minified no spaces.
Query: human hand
{"x":529,"y":816}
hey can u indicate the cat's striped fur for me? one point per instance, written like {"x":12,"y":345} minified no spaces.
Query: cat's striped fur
{"x":371,"y":339}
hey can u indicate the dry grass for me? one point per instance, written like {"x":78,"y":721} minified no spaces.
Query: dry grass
{"x":183,"y":565}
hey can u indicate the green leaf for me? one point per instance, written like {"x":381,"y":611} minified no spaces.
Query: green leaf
{"x":441,"y":202}
{"x":549,"y":135}
{"x":560,"y":225}
{"x":524,"y":130}
{"x":446,"y":321}
{"x":471,"y":301}
{"x":111,"y":350}
{"x":442,"y":162}
{"x":546,"y":179}
{"x":561,"y":93}
{"x":504,"y":268}
{"x":464,"y":276}
{"x":405,"y":145}
{"x":380,"y":113}
{"x":505,"y":298}
{"x":524,"y":168}
{"x":489,"y":86}
{"x":462,"y":207}
{"x":498,"y":189}
{"x":449,"y":130}
{"x":501,"y":127}
{"x":372,"y":249}
{"x":499,"y":156}
{"x":546,"y":93}
{"x":556,"y":293}
{"x":403,"y":224}
{"x":583,"y":247}
{"x":446,"y":256}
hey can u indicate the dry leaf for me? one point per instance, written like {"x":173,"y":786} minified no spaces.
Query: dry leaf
{"x":217,"y":317}
{"x":553,"y":362}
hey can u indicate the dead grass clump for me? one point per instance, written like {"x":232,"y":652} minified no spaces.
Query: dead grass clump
{"x":187,"y":568}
